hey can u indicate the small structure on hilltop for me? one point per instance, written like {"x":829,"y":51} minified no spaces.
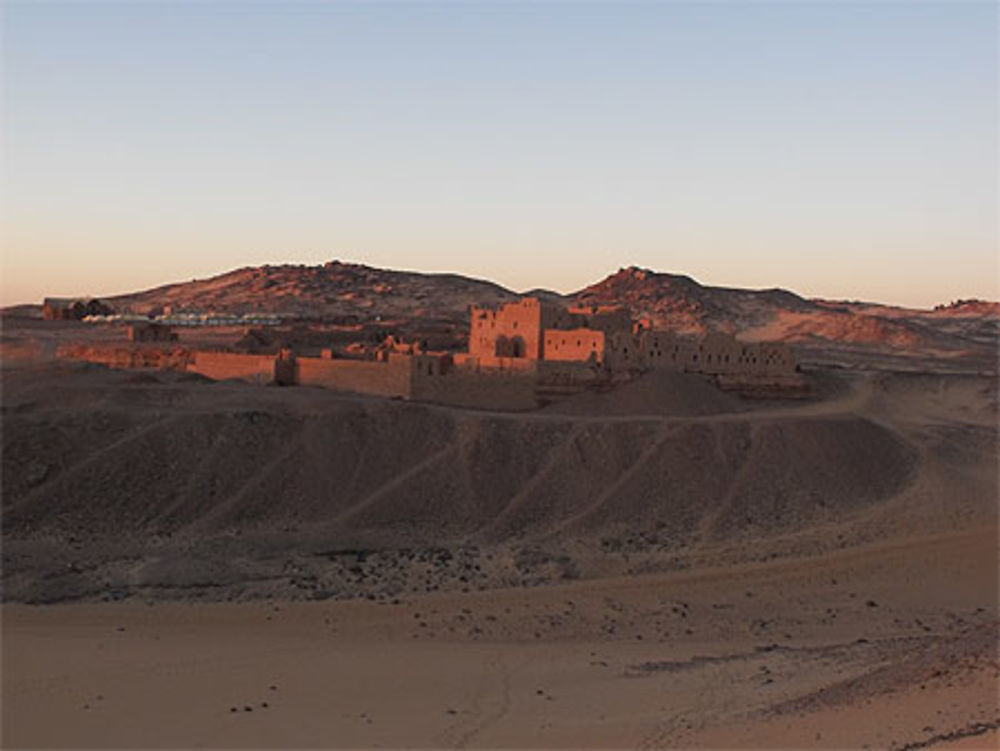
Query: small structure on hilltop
{"x":73,"y":309}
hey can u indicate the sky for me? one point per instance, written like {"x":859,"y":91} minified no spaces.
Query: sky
{"x":845,"y":150}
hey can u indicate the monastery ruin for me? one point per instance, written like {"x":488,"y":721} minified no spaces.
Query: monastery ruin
{"x":519,"y":355}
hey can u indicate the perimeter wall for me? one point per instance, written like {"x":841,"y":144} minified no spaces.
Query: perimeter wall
{"x":388,"y":378}
{"x":219,"y":366}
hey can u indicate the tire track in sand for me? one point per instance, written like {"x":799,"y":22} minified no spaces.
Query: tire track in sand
{"x":495,"y":673}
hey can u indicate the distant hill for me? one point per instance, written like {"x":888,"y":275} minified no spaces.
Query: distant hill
{"x":338,"y":292}
{"x":333,"y":290}
{"x":681,"y":303}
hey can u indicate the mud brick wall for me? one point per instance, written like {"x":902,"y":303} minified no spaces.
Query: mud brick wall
{"x":390,"y":378}
{"x":222,"y":365}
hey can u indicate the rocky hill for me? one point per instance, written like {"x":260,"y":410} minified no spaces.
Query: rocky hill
{"x":331,"y":291}
{"x":679,"y":302}
{"x":966,"y":329}
{"x":964,"y":332}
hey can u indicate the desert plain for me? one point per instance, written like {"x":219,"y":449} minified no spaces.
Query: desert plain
{"x":189,"y":563}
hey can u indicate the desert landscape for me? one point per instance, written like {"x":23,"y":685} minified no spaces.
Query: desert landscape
{"x":651,"y":563}
{"x":499,"y":375}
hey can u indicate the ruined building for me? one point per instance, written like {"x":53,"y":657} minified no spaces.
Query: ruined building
{"x":519,"y":355}
{"x":530,"y":334}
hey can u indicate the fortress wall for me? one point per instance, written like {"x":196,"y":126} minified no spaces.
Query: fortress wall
{"x":778,"y":358}
{"x":517,"y":327}
{"x":219,"y":366}
{"x":479,"y":390}
{"x":380,"y":378}
{"x":128,"y":356}
{"x":431,"y":364}
{"x":664,"y":350}
{"x":490,"y":363}
{"x":574,"y":344}
{"x":624,"y":351}
{"x":716,"y":354}
{"x":482,"y":332}
{"x":721,"y":355}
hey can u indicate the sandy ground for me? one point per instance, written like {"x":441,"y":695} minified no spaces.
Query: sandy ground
{"x":891,"y":646}
{"x":670,"y":568}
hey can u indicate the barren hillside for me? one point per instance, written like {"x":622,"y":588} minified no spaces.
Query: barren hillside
{"x":963,"y":331}
{"x":334,"y":290}
{"x":138,"y":483}
{"x":962,"y":335}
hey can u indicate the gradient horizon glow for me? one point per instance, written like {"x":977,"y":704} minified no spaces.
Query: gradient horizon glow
{"x":844,"y":150}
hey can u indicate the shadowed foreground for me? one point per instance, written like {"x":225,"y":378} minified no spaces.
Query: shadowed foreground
{"x":602,"y":574}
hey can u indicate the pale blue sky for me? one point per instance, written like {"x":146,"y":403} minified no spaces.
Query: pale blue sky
{"x":842,"y":150}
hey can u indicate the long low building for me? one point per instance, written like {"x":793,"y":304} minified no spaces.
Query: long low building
{"x":530,"y":331}
{"x":431,"y":377}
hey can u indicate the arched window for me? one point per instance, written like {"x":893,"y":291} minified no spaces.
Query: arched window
{"x":517,"y":348}
{"x":502,"y":347}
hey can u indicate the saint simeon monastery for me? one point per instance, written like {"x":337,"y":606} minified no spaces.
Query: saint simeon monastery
{"x":519,"y":355}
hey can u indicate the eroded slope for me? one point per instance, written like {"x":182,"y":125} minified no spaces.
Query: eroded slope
{"x":117,"y":483}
